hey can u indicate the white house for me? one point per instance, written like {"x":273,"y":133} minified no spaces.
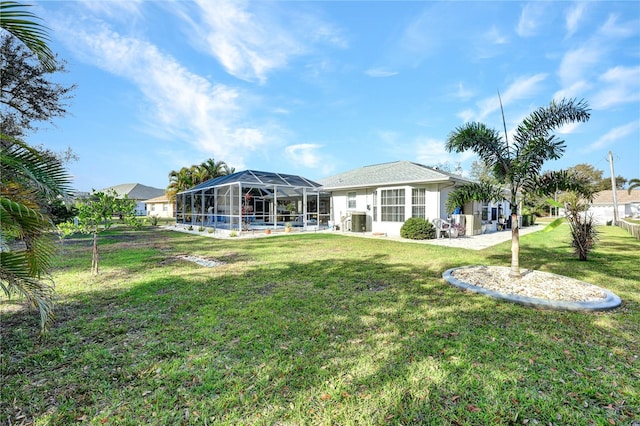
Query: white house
{"x":137,"y":192}
{"x":160,"y":207}
{"x":381,"y":197}
{"x":602,"y":206}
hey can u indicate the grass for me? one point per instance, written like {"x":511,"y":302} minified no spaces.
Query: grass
{"x":319,"y":329}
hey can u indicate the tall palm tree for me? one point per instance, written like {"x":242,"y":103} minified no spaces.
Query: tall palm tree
{"x":179,"y":180}
{"x":27,"y":176}
{"x":187,"y":177}
{"x":26,"y":247}
{"x":211,"y":169}
{"x":517,"y":165}
{"x":633,"y":184}
{"x":23,"y":25}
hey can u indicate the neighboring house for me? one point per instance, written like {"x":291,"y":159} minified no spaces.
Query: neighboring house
{"x":381,"y":197}
{"x":138,"y":192}
{"x":602,"y":206}
{"x":160,"y":207}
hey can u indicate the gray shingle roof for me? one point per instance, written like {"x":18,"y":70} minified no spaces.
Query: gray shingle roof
{"x":397,"y":172}
{"x":136,"y":191}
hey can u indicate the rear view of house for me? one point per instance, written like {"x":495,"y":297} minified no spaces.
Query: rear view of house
{"x":381,"y":197}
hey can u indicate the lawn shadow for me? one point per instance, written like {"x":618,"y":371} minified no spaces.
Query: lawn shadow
{"x":349,"y":332}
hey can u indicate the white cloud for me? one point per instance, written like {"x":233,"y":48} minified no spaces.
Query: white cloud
{"x":115,"y":9}
{"x":615,"y":29}
{"x":379,"y":72}
{"x":494,"y":36}
{"x":309,"y":156}
{"x":573,"y":16}
{"x":179,"y":105}
{"x":578,"y":62}
{"x":252,"y":39}
{"x":463,"y":93}
{"x":530,"y":19}
{"x":568,"y":128}
{"x":522,"y":88}
{"x":432,"y":151}
{"x":612,"y":136}
{"x":466,"y":115}
{"x":619,"y":85}
{"x":304,"y":154}
{"x":576,"y":90}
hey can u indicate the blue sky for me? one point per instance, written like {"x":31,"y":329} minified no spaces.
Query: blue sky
{"x":318,"y":88}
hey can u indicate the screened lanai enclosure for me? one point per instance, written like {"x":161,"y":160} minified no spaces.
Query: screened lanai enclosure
{"x":251,"y":200}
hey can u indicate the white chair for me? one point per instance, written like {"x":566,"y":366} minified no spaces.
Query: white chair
{"x":442,"y":226}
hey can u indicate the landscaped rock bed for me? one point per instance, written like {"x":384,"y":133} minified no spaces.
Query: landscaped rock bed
{"x":535,"y":288}
{"x":208,"y":263}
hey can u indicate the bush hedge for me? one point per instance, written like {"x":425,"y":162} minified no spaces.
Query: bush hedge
{"x":417,"y":228}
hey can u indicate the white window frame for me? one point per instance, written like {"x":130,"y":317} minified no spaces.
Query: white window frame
{"x":351,"y":200}
{"x":392,"y":205}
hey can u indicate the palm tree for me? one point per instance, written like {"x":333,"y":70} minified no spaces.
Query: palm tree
{"x":22,"y":25}
{"x":517,"y":165}
{"x":211,"y":169}
{"x":179,"y":180}
{"x":26,"y":247}
{"x":27,"y":176}
{"x":187,"y":177}
{"x":633,"y":184}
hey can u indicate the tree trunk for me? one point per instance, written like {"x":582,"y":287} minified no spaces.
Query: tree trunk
{"x":94,"y":258}
{"x":515,"y":246}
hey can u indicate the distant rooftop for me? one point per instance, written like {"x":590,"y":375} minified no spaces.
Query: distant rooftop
{"x":395,"y":172}
{"x":135,"y":191}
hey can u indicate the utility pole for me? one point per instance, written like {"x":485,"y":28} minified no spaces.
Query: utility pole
{"x":613,"y":187}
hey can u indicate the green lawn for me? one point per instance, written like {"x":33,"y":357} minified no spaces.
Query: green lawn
{"x":319,"y":329}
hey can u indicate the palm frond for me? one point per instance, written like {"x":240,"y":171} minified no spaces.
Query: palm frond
{"x":541,"y":122}
{"x":482,"y":140}
{"x":472,"y":192}
{"x":23,"y":25}
{"x":23,"y":164}
{"x":561,"y":180}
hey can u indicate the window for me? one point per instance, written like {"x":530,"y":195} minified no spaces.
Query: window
{"x":485,"y":211}
{"x":351,"y":200}
{"x":165,"y":207}
{"x":392,"y":205}
{"x":153,"y":207}
{"x":418,"y":200}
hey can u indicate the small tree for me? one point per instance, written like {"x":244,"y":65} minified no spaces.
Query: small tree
{"x":517,"y":164}
{"x":584,"y":234}
{"x":99,"y":212}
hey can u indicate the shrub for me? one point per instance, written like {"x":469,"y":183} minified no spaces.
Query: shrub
{"x":154,"y":220}
{"x":200,"y":228}
{"x":210,"y":230}
{"x":417,"y":228}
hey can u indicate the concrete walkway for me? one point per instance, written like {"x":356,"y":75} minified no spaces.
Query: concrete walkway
{"x":476,"y":242}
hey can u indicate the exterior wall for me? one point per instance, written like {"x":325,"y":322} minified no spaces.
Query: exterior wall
{"x":141,"y":208}
{"x":603,"y":213}
{"x":164,"y":210}
{"x":365,"y":203}
{"x":341,"y":210}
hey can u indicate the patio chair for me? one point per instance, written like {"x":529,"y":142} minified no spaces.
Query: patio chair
{"x":442,"y":226}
